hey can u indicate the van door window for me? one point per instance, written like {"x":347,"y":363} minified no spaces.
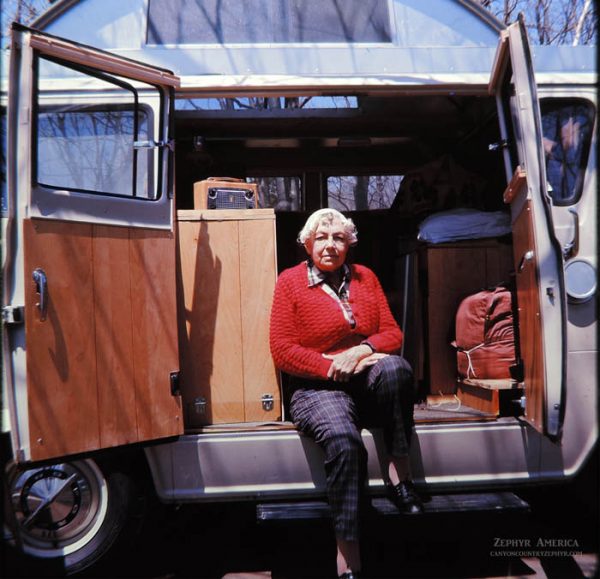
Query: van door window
{"x":567,"y":126}
{"x":90,"y":148}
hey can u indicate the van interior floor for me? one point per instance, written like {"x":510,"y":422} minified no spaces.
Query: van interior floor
{"x":425,"y":412}
{"x":448,"y":409}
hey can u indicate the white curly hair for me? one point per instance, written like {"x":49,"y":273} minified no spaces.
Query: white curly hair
{"x":327,"y":215}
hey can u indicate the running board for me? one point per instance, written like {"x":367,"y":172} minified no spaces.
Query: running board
{"x":381,"y":506}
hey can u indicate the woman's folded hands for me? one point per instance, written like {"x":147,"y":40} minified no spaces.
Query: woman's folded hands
{"x":351,"y":361}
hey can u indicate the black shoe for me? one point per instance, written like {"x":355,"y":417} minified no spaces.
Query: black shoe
{"x":349,"y":575}
{"x":405,"y":497}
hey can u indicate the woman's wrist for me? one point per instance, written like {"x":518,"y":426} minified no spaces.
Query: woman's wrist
{"x":369,"y":345}
{"x":365,"y":350}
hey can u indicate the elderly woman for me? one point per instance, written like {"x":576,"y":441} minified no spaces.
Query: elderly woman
{"x":332,"y":330}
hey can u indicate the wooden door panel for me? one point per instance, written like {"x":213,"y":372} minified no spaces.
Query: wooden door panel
{"x":99,"y":366}
{"x":61,"y":364}
{"x":154,"y":319}
{"x":529,"y":316}
{"x":258,"y":272}
{"x":114,"y":336}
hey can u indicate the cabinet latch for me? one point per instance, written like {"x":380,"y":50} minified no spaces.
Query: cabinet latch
{"x":199,"y":406}
{"x":267,"y":402}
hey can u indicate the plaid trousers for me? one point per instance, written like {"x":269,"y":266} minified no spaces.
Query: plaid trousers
{"x":333,"y":414}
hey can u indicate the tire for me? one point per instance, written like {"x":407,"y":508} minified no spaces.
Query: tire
{"x":86,"y":511}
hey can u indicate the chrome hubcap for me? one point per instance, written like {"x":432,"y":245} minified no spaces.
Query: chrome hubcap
{"x":60,"y":507}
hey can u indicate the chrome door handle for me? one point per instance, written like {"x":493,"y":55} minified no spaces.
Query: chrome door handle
{"x":41,"y":284}
{"x":570,"y":249}
{"x":527,"y":256}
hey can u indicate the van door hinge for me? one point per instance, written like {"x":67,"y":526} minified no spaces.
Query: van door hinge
{"x":13,"y":314}
{"x":174,"y":380}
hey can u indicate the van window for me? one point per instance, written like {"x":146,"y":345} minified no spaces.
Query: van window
{"x":279,"y":21}
{"x":267,"y":104}
{"x":567,"y":126}
{"x":280,"y":193}
{"x":360,"y":192}
{"x":89,"y":148}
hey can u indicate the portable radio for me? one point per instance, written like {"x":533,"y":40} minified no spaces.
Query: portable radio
{"x":225,"y":193}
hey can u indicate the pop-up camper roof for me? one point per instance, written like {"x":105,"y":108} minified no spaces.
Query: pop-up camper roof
{"x":397,"y":41}
{"x":285,"y":44}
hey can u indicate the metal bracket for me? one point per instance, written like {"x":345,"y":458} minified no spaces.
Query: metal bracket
{"x":521,"y":402}
{"x":267,"y":402}
{"x":199,"y":405}
{"x":13,"y":314}
{"x":170,"y":144}
{"x":498,"y":145}
{"x":174,"y":381}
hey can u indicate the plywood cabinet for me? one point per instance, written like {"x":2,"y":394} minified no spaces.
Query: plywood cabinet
{"x":227,"y":273}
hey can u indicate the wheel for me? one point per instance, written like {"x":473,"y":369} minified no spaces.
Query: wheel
{"x":70,"y":511}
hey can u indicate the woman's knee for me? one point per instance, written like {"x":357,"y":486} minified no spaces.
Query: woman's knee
{"x":399,"y":365}
{"x":396,"y":372}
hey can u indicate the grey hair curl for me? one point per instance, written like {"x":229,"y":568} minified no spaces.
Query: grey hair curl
{"x":328,"y":215}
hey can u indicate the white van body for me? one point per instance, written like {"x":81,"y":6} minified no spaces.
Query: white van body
{"x":72,"y":396}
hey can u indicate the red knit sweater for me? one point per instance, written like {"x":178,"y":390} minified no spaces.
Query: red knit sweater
{"x":307,"y":322}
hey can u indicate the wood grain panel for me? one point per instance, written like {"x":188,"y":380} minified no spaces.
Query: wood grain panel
{"x":498,"y":264}
{"x":530,"y":333}
{"x":482,"y":399}
{"x":187,"y":251}
{"x":212,"y":345}
{"x":61,"y":362}
{"x":455,"y":271}
{"x":258,"y":273}
{"x":114,"y":336}
{"x":154,"y":315}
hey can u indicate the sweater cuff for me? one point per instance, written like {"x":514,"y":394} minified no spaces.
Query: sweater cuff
{"x":367,"y":343}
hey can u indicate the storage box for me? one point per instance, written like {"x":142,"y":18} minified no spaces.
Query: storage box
{"x":496,"y":397}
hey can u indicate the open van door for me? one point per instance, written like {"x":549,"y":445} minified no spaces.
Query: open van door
{"x":537,"y":253}
{"x":91,"y":250}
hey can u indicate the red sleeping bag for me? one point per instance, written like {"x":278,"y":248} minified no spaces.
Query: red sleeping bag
{"x":485,"y":339}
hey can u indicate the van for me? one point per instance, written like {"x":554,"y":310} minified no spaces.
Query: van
{"x":136,"y":314}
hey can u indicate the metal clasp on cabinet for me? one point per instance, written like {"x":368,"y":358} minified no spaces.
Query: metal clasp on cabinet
{"x":199,"y":405}
{"x":267,"y":402}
